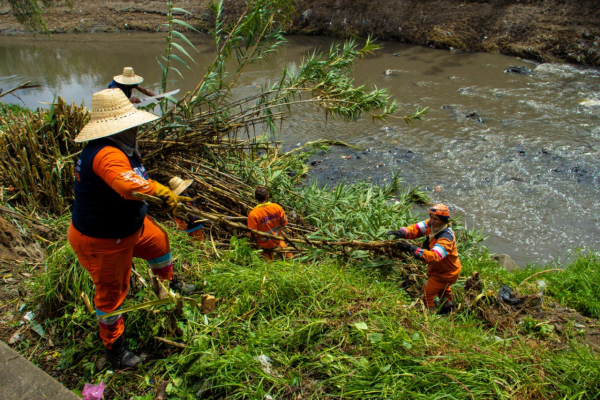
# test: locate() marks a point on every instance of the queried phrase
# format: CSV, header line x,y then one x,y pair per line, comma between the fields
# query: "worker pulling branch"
x,y
109,225
438,252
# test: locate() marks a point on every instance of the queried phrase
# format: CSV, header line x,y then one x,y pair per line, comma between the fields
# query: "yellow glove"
x,y
169,198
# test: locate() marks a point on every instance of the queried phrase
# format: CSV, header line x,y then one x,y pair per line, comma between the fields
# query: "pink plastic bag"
x,y
93,392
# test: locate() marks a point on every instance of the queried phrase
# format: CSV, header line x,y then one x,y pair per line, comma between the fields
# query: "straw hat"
x,y
128,77
178,185
112,112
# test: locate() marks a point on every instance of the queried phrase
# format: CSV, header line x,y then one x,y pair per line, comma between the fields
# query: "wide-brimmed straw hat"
x,y
112,112
128,77
178,185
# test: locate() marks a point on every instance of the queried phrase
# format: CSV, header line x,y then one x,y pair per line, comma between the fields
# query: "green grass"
x,y
15,109
332,327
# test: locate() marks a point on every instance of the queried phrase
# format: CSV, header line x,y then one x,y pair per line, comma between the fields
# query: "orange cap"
x,y
440,209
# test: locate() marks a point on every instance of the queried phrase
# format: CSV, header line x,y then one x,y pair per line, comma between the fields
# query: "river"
x,y
515,155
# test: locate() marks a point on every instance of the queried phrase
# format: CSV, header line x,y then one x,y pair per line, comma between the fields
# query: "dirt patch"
x,y
13,247
530,314
20,257
542,30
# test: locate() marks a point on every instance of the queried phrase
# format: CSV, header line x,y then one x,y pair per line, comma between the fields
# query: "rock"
x,y
559,328
518,70
208,303
504,261
100,364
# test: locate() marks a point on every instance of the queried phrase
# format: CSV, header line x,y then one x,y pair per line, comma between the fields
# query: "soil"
x,y
530,314
20,258
547,30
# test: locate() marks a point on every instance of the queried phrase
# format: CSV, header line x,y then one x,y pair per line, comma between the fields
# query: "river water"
x,y
524,166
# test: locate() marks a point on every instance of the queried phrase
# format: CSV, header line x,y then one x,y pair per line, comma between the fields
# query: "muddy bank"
x,y
548,30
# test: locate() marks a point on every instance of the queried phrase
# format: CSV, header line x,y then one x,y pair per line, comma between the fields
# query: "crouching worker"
x,y
269,218
186,222
109,226
438,252
128,81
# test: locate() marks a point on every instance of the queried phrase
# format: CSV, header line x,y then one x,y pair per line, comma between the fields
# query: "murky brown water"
x,y
525,169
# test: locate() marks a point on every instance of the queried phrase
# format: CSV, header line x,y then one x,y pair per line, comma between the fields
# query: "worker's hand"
x,y
170,199
397,234
405,246
135,100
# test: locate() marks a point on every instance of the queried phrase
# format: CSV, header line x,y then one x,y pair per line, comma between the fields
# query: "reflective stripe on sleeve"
x,y
422,227
440,251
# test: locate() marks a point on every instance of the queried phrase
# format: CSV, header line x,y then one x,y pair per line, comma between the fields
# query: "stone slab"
x,y
20,379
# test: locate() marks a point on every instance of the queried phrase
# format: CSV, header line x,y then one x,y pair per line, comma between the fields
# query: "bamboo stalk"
x,y
356,244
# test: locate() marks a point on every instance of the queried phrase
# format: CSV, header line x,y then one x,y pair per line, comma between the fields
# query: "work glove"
x,y
169,198
405,246
397,234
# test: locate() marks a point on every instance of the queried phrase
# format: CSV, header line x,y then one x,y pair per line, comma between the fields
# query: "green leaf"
x,y
375,337
407,345
181,49
177,382
183,23
361,326
181,10
386,368
176,70
178,59
182,37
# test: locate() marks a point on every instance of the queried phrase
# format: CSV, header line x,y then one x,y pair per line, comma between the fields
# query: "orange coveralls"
x,y
269,218
192,227
109,260
441,257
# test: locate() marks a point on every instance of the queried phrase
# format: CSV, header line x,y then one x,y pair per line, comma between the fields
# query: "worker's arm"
x,y
437,253
282,218
252,224
146,91
415,231
113,166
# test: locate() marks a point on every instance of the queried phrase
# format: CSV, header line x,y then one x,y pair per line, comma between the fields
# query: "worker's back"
x,y
269,218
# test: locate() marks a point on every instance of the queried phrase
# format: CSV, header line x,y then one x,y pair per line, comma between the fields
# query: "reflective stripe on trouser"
x,y
269,254
437,287
109,261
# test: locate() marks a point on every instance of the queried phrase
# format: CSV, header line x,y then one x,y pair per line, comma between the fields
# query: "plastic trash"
x,y
505,295
15,338
541,286
265,363
93,392
35,326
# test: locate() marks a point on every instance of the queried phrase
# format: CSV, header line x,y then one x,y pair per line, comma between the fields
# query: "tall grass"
x,y
329,328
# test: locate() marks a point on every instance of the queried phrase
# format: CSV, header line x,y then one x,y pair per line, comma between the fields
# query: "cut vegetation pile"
x,y
334,322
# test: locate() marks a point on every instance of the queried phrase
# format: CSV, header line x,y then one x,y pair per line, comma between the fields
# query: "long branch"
x,y
356,244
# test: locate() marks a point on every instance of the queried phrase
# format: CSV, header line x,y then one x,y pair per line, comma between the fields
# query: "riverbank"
x,y
545,31
332,322
319,326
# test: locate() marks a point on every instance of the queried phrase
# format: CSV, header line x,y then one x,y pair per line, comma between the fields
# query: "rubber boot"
x,y
447,308
120,357
178,286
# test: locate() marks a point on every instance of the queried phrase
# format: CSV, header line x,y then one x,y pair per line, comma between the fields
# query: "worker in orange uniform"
x,y
186,222
109,226
438,252
128,81
267,217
